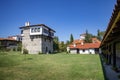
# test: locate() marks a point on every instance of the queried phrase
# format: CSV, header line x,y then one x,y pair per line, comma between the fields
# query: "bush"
x,y
25,51
2,49
40,52
7,49
19,48
14,49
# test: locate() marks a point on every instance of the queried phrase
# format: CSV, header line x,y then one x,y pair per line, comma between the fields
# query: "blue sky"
x,y
64,16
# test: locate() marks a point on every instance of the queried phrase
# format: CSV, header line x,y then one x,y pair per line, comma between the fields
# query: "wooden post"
x,y
114,54
107,52
110,54
109,58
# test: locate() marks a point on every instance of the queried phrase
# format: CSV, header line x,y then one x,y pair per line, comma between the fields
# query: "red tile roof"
x,y
78,41
11,39
85,46
95,40
78,44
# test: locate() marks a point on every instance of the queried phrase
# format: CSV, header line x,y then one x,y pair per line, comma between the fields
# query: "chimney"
x,y
82,43
27,24
74,45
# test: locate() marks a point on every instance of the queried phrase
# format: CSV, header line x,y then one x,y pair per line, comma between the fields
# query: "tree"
x,y
71,38
67,43
88,37
98,34
56,44
19,48
102,34
0,47
62,46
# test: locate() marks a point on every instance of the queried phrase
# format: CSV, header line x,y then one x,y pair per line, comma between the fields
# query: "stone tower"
x,y
37,38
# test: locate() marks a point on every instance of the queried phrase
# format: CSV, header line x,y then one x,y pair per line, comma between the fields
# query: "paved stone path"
x,y
110,74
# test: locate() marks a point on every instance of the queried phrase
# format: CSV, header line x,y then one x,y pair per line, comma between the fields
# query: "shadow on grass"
x,y
104,72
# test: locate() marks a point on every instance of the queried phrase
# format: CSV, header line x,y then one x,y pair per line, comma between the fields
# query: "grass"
x,y
16,66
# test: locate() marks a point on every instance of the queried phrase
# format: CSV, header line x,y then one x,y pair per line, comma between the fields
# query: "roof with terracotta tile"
x,y
77,41
10,39
85,46
95,40
80,44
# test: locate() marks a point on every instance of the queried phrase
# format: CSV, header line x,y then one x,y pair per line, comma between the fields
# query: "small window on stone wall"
x,y
31,37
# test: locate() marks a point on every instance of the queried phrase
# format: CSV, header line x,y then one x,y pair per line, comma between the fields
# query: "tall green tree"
x,y
71,38
88,37
102,34
98,34
62,46
56,44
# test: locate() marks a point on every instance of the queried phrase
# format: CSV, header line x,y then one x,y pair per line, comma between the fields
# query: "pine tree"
x,y
71,38
88,37
98,35
102,34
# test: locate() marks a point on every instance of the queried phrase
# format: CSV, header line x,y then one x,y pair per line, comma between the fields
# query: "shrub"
x,y
14,49
40,52
67,52
25,51
19,48
3,49
7,49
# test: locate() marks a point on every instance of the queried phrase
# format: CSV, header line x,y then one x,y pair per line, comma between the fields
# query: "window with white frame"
x,y
35,31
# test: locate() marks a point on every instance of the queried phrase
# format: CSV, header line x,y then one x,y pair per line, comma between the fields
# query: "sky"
x,y
64,16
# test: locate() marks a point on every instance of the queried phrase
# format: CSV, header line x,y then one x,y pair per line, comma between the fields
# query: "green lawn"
x,y
16,66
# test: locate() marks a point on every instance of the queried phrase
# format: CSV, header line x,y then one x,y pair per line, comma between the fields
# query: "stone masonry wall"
x,y
31,43
36,43
47,44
